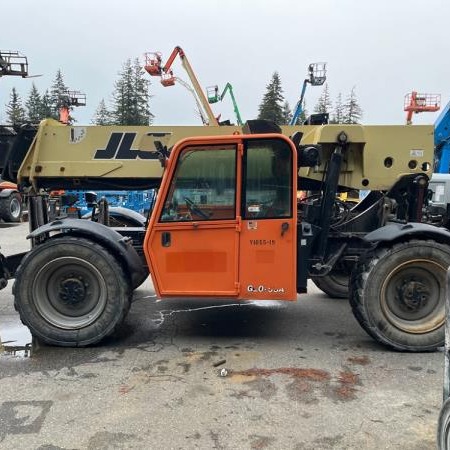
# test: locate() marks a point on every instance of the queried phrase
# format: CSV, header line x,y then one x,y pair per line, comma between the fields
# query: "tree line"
x,y
130,102
274,107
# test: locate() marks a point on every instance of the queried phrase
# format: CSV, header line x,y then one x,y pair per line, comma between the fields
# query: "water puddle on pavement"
x,y
15,340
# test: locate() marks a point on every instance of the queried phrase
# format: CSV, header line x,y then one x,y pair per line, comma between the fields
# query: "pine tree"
x,y
324,104
130,97
45,110
141,94
102,116
338,114
58,97
33,105
287,113
271,107
14,109
352,111
121,97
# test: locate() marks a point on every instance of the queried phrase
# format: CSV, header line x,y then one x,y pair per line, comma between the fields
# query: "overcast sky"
x,y
383,48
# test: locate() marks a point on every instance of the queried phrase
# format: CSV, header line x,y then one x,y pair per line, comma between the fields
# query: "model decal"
x,y
119,147
261,288
262,242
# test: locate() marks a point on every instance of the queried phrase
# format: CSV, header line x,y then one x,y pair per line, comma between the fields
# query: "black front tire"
x,y
71,292
397,294
11,208
443,428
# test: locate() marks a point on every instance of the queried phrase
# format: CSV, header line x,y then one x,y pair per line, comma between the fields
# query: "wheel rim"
x,y
411,297
69,293
15,208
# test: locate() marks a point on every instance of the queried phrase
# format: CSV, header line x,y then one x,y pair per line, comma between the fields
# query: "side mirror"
x,y
296,138
90,197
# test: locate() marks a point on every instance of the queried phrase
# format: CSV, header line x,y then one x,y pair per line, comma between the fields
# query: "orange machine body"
x,y
214,230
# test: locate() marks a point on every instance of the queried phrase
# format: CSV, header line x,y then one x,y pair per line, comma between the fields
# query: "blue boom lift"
x,y
442,141
317,76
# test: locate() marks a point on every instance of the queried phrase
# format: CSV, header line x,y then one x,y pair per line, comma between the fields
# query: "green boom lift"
x,y
213,97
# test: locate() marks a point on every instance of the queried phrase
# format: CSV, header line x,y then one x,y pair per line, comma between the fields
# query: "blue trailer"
x,y
139,201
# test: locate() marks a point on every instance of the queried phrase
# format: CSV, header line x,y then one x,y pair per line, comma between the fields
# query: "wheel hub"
x,y
413,294
72,291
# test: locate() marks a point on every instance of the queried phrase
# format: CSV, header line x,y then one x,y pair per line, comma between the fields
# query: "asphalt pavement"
x,y
199,374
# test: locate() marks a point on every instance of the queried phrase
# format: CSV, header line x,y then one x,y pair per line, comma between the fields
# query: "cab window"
x,y
267,181
203,186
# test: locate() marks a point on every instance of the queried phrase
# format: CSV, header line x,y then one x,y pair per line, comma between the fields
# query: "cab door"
x,y
192,243
268,238
224,223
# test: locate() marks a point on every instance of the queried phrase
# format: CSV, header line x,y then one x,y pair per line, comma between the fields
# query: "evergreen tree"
x,y
324,104
352,111
102,116
130,97
33,105
141,94
58,94
338,114
287,113
271,107
122,103
14,109
45,110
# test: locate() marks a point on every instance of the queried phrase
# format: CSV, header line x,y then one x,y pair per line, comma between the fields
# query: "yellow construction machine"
x,y
216,221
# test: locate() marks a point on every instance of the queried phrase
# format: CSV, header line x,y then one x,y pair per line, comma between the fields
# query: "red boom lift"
x,y
153,65
416,103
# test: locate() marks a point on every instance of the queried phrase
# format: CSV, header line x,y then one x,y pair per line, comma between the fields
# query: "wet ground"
x,y
215,375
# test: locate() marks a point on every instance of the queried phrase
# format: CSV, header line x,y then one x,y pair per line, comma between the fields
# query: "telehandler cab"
x,y
227,223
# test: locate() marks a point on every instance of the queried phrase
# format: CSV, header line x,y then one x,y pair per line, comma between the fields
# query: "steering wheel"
x,y
194,209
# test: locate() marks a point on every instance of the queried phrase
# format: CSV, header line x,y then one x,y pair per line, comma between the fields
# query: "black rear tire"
x,y
71,292
397,294
11,208
335,284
